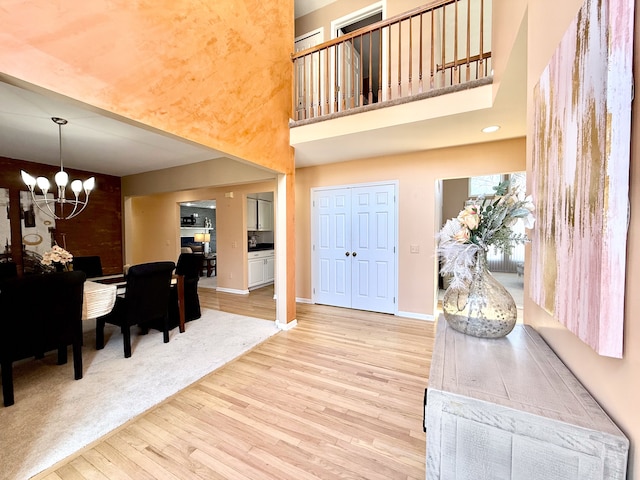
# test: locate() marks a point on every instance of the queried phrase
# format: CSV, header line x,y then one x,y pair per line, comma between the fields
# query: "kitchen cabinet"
x,y
260,267
259,215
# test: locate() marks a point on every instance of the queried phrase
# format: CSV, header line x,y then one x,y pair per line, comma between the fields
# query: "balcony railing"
x,y
438,45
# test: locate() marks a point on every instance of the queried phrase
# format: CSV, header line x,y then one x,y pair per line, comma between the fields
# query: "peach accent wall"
x,y
216,73
613,382
154,224
507,20
418,218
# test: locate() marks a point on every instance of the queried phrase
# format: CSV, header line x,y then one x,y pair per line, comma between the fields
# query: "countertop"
x,y
261,246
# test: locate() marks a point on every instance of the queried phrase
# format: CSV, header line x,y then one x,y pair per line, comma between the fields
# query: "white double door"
x,y
354,247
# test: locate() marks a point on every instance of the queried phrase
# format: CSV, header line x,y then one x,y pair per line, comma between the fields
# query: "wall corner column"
x,y
285,252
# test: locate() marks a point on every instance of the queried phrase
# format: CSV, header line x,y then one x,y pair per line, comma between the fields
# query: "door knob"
x,y
354,254
347,253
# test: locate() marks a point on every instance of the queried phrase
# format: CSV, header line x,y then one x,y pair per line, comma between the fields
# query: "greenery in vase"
x,y
483,224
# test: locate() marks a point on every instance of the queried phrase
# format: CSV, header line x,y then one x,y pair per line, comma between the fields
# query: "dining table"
x,y
118,283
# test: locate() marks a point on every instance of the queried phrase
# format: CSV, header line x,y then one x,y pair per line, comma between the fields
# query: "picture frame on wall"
x,y
580,181
37,231
5,226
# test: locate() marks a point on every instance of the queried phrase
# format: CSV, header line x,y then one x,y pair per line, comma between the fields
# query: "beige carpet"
x,y
208,282
54,415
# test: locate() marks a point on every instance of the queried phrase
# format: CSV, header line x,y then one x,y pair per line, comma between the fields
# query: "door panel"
x,y
360,222
374,236
334,239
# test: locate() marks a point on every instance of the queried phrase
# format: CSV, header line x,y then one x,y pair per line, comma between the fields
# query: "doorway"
x,y
357,61
508,269
353,251
198,233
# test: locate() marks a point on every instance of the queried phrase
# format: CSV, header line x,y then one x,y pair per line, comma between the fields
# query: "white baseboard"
x,y
303,300
287,326
416,316
232,290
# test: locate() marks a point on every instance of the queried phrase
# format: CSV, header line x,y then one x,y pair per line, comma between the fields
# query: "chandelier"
x,y
66,208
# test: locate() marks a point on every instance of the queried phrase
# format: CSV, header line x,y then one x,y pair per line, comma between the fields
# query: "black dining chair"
x,y
39,313
145,303
8,270
90,265
189,265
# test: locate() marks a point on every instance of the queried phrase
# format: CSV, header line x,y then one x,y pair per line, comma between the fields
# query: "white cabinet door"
x,y
252,214
256,271
265,215
269,269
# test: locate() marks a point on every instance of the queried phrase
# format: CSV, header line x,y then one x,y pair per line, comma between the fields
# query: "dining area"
x,y
51,310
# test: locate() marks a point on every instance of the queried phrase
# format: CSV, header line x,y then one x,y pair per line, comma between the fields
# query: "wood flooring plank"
x,y
337,397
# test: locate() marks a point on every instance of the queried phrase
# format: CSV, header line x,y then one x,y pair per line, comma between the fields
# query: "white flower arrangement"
x,y
483,224
57,255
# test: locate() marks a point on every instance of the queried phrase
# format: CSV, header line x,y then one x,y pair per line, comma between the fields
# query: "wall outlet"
x,y
234,244
414,248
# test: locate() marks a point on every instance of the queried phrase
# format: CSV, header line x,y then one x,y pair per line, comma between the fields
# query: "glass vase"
x,y
483,307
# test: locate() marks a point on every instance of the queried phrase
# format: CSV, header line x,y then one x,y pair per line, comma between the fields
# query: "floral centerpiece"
x,y
57,257
476,303
483,224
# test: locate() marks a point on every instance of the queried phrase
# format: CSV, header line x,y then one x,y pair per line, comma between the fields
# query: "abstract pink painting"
x,y
580,181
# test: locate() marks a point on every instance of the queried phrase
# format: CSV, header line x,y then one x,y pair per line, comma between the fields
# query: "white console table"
x,y
510,409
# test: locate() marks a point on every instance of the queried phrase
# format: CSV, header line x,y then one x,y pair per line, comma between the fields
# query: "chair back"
x,y
39,313
91,265
148,290
8,270
189,265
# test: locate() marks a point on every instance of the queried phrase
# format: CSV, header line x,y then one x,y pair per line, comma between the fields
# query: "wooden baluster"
x,y
304,86
444,42
420,55
410,55
344,76
389,64
311,96
432,79
481,63
327,79
352,93
400,59
360,83
379,65
294,93
319,83
456,74
469,41
370,96
336,86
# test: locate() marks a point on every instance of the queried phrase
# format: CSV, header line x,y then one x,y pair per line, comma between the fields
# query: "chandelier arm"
x,y
84,204
75,207
47,202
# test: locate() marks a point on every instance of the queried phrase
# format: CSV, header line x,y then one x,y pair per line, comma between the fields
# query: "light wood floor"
x,y
338,396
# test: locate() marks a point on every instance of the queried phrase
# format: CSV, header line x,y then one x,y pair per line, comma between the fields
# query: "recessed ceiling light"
x,y
491,129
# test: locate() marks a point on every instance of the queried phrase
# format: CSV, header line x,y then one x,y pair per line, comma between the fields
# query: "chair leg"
x,y
7,383
99,334
62,355
165,331
77,359
126,338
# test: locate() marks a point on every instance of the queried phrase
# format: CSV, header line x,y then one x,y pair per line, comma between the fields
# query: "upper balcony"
x,y
375,90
